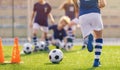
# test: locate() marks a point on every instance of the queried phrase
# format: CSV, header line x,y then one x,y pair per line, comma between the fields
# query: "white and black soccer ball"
x,y
68,46
56,56
42,46
27,48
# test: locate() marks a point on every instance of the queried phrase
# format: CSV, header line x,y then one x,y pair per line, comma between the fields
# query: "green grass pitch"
x,y
73,60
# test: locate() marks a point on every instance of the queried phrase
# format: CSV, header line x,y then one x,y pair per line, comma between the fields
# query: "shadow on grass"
x,y
45,52
52,63
93,68
35,53
69,51
5,64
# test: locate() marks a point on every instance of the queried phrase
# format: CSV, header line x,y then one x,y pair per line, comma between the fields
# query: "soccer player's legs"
x,y
77,21
35,31
45,32
56,43
70,40
99,39
70,43
44,29
86,31
98,47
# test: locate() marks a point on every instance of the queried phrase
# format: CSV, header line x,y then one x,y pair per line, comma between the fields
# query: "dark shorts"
x,y
70,40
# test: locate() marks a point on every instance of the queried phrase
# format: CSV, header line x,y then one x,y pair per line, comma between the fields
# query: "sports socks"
x,y
98,49
35,40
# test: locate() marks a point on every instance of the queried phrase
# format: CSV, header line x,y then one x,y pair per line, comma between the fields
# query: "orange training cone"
x,y
15,52
1,52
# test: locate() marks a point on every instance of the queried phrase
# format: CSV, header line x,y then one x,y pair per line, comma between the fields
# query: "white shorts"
x,y
90,22
75,20
42,28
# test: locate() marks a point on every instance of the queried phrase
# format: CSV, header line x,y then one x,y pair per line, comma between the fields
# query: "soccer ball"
x,y
56,56
42,46
68,46
27,48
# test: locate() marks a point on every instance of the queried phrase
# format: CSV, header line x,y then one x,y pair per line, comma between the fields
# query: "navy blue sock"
x,y
35,40
98,48
47,41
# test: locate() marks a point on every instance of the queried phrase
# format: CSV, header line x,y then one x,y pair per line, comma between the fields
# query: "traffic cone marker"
x,y
15,53
1,52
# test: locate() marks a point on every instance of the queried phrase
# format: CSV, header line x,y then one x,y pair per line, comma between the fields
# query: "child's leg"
x,y
57,43
98,50
70,43
44,37
35,31
83,45
35,39
98,47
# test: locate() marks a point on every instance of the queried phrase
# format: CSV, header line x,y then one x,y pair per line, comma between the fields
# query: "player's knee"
x,y
35,31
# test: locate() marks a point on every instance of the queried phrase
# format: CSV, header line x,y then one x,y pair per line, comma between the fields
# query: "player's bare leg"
x,y
44,36
35,40
98,47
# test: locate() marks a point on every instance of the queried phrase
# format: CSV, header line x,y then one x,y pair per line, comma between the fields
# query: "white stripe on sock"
x,y
98,50
97,56
99,44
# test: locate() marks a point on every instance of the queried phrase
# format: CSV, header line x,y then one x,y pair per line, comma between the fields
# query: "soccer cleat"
x,y
36,49
83,47
47,49
57,46
96,63
47,43
89,42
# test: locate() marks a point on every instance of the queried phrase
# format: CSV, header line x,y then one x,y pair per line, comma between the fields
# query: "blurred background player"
x,y
69,8
76,20
90,19
41,12
70,30
59,33
72,12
